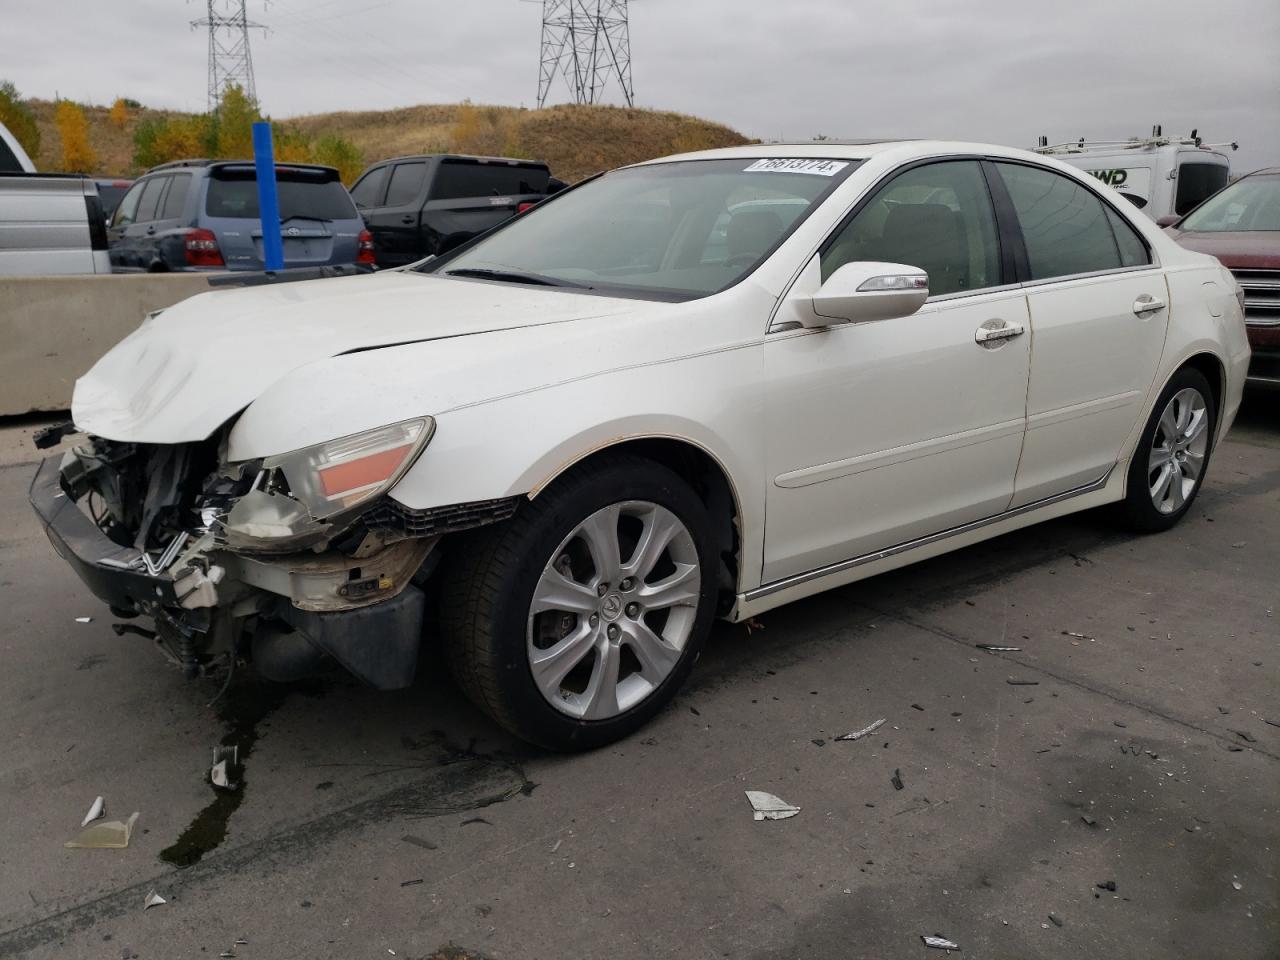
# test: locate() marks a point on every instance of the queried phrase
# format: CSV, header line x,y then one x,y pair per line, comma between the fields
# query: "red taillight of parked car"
x,y
364,247
201,247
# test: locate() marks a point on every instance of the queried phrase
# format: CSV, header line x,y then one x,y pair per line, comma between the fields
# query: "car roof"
x,y
1264,172
504,161
859,150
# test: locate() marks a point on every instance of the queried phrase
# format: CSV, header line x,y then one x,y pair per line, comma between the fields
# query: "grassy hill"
x,y
574,140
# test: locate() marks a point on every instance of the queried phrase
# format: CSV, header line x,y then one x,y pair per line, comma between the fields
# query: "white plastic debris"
x,y
153,900
96,810
218,776
939,943
859,734
84,619
769,807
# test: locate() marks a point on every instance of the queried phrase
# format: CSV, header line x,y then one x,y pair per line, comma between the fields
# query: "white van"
x,y
1164,177
51,223
13,159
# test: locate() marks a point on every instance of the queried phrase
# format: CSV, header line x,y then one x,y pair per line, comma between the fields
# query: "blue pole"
x,y
268,202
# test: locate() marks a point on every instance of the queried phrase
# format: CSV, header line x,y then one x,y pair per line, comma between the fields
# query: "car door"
x,y
167,230
394,224
881,433
139,248
1098,318
122,259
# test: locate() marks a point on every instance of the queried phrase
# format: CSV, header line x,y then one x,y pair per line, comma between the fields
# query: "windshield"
x,y
682,229
1249,204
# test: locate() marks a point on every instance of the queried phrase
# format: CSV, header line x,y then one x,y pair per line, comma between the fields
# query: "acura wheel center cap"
x,y
611,607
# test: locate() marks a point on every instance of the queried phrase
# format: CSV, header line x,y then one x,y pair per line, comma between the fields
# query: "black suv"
x,y
423,205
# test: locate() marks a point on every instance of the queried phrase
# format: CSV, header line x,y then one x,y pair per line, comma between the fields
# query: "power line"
x,y
230,63
589,43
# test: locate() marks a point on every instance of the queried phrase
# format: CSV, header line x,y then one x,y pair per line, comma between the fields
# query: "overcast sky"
x,y
996,70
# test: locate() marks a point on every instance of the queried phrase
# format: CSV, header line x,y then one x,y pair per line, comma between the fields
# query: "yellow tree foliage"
x,y
21,122
235,117
179,139
119,115
77,155
336,152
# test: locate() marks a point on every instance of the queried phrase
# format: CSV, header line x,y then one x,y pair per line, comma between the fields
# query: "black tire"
x,y
489,584
1138,510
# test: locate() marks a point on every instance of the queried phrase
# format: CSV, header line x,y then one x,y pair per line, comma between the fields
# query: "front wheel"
x,y
1169,463
576,621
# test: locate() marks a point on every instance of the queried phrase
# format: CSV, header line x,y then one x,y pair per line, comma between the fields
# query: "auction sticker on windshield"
x,y
822,168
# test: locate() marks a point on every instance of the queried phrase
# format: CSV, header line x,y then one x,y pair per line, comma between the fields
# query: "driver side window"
x,y
937,217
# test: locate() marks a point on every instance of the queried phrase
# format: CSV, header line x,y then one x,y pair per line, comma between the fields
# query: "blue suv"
x,y
203,215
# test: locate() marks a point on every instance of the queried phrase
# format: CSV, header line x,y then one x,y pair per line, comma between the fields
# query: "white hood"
x,y
184,373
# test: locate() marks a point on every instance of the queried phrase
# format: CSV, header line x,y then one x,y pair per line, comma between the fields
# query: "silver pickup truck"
x,y
51,223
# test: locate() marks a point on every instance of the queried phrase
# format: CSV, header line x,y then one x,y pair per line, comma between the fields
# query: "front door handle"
x,y
1147,306
992,333
406,219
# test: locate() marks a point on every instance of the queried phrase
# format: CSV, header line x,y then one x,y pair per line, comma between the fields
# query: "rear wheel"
x,y
1169,463
575,622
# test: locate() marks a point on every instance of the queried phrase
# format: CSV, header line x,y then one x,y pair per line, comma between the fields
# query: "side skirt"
x,y
1107,489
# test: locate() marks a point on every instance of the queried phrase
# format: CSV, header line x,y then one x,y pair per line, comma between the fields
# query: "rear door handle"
x,y
406,219
992,333
1147,306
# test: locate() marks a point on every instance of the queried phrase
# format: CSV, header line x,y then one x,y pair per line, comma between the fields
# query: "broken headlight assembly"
x,y
302,498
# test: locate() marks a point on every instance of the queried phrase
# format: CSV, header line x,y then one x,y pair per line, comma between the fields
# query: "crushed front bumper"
x,y
106,568
374,635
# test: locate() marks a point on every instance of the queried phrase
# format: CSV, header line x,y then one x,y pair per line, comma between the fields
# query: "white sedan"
x,y
697,387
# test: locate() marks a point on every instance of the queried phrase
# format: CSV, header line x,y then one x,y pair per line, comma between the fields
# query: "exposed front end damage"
x,y
288,561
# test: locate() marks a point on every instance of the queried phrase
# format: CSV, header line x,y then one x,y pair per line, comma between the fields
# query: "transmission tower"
x,y
229,61
589,42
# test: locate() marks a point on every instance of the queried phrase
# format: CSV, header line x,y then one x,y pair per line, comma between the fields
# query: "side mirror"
x,y
1167,221
866,291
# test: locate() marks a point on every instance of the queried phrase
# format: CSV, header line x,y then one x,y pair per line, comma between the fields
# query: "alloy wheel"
x,y
613,610
1178,450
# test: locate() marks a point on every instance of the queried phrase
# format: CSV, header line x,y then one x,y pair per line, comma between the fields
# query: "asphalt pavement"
x,y
1131,742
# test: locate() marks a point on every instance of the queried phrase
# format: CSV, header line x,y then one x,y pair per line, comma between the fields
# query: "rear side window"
x,y
175,201
1064,225
1133,251
937,217
368,189
8,159
149,202
1197,182
406,183
461,178
234,194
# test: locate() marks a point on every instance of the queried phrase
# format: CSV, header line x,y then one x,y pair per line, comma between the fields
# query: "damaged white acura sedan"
x,y
697,387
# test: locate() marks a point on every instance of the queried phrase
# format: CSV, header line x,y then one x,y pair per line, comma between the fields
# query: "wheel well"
x,y
1210,367
708,479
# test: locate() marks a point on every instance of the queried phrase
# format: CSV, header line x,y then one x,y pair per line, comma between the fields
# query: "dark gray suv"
x,y
203,215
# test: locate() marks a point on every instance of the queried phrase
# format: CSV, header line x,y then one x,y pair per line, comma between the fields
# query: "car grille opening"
x,y
1261,296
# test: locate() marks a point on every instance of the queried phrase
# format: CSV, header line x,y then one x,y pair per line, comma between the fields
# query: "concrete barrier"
x,y
53,329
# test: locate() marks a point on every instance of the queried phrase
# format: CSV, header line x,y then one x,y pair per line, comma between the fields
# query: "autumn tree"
x,y
234,120
336,152
19,119
161,140
119,115
73,128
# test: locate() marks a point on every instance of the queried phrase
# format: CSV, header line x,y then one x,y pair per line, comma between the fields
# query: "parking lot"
x,y
1126,741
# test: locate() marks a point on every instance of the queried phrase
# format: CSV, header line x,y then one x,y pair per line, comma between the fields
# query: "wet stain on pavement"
x,y
244,706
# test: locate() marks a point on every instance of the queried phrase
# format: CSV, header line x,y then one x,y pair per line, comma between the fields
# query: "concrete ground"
x,y
405,824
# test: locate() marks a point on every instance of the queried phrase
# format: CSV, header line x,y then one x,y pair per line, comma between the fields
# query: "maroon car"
x,y
1240,225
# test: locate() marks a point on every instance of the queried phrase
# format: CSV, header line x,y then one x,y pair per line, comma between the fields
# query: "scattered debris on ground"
x,y
1022,683
96,810
410,883
153,900
769,807
113,835
1090,821
419,842
940,943
1079,636
897,780
997,648
1107,885
859,734
84,619
1055,919
1245,736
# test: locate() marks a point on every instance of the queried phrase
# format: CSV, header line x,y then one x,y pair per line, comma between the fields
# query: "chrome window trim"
x,y
795,580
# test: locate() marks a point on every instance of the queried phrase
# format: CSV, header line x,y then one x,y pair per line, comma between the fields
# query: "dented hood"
x,y
186,371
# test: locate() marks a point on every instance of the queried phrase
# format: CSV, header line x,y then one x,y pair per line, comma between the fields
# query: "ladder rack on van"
x,y
1157,139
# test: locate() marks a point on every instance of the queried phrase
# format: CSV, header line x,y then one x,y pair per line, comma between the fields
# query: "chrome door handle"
x,y
1147,306
993,332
